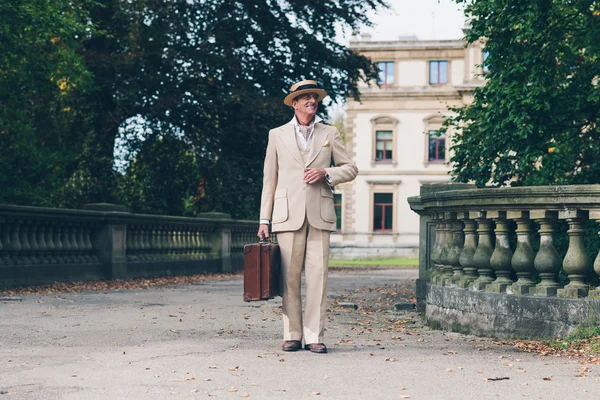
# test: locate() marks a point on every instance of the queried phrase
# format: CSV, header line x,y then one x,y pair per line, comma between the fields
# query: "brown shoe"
x,y
291,345
316,347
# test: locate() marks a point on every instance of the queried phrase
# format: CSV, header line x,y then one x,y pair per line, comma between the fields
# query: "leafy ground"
x,y
583,345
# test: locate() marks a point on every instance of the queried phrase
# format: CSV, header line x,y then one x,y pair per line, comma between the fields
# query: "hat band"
x,y
307,86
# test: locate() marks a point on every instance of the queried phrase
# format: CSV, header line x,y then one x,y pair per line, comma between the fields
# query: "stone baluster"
x,y
154,242
58,245
66,244
576,263
187,243
500,261
49,238
33,243
14,245
25,247
468,251
145,239
595,215
484,251
179,243
75,250
456,246
547,261
137,242
196,243
81,247
87,230
436,248
522,259
171,238
164,240
44,255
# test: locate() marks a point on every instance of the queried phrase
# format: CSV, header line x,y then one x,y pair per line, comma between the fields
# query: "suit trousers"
x,y
308,246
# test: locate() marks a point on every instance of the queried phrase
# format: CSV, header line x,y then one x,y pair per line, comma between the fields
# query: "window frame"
x,y
438,83
383,206
385,74
379,187
384,123
434,123
429,139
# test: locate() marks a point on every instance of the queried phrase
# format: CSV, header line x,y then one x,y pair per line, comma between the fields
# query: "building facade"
x,y
393,135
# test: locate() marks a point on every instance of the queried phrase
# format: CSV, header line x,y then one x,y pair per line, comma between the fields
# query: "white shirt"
x,y
299,136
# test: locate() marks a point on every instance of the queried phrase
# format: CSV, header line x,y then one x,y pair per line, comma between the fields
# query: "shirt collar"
x,y
314,121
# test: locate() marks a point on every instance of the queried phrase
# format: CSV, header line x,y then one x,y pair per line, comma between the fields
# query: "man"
x,y
297,201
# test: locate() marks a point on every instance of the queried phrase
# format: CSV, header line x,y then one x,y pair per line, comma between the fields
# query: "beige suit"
x,y
303,215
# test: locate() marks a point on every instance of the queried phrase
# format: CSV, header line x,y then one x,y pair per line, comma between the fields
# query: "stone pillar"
x,y
468,251
456,246
220,241
547,261
109,242
484,251
576,263
446,275
502,255
437,247
522,259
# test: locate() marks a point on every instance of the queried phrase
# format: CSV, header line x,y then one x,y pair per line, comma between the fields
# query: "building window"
x,y
484,67
386,73
438,72
383,212
437,146
383,146
337,203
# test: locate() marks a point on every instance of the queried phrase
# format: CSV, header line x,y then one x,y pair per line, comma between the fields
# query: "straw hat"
x,y
302,87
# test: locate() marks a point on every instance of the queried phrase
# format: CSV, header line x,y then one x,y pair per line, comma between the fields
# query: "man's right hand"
x,y
263,231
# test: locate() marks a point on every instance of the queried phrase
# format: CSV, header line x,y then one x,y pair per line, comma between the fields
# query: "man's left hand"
x,y
313,175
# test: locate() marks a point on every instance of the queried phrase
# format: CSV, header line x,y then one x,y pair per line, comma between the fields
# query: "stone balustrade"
x,y
43,245
480,247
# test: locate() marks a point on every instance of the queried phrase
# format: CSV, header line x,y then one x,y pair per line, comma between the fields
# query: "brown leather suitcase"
x,y
262,278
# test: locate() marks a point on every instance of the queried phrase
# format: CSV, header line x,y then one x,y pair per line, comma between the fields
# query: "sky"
x,y
427,19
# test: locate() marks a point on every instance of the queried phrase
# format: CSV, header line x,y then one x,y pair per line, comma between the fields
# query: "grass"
x,y
586,337
377,262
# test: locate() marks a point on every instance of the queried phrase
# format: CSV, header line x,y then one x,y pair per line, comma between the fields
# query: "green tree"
x,y
535,122
214,73
42,78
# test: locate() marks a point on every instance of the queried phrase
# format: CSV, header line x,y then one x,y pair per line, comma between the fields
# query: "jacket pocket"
x,y
327,208
280,206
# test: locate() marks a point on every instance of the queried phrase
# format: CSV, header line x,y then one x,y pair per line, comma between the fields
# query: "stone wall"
x,y
488,263
43,245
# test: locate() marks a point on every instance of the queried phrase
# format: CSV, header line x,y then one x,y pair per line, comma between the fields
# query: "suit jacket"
x,y
286,199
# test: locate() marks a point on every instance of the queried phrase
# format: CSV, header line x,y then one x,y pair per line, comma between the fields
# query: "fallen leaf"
x,y
404,396
233,368
232,389
316,393
212,367
245,395
548,378
448,369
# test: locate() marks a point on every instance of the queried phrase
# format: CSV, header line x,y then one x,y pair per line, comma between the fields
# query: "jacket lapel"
x,y
288,137
319,137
